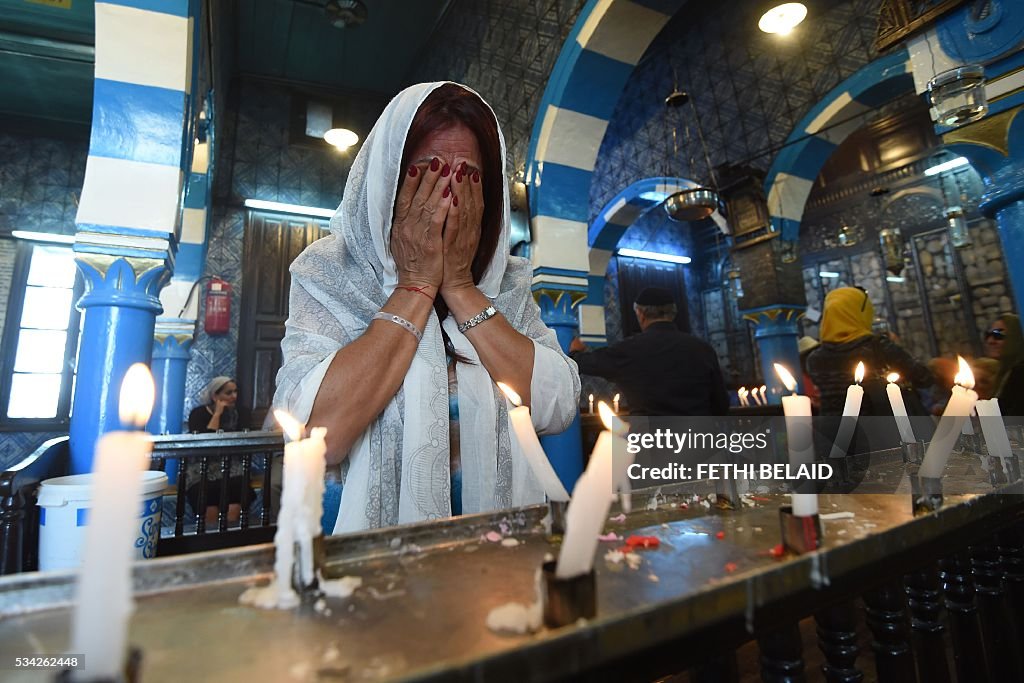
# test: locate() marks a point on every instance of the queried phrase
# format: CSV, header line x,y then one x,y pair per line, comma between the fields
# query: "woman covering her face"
x,y
402,320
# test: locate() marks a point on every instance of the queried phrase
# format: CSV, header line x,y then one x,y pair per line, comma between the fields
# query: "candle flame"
x,y
964,377
137,394
591,398
291,426
893,377
742,391
615,397
512,395
606,414
764,389
858,374
786,377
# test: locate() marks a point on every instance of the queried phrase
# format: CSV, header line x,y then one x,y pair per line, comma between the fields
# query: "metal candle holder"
x,y
311,591
566,601
926,494
556,513
913,452
130,673
727,495
799,534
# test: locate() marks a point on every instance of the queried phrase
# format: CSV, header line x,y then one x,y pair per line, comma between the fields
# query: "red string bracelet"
x,y
418,290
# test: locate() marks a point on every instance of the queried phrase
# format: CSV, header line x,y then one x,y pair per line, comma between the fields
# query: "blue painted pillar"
x,y
1004,201
120,307
776,332
565,450
171,353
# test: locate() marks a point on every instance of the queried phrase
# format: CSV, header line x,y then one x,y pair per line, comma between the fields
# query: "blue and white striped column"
x,y
595,63
128,215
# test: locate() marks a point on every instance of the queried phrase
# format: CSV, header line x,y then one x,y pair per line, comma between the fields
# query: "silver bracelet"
x,y
483,315
400,321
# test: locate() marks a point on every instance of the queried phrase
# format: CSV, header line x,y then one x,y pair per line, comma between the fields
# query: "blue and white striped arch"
x,y
604,234
141,141
595,63
825,126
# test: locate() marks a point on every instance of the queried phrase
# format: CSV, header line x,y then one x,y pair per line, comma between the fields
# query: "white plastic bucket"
x,y
64,505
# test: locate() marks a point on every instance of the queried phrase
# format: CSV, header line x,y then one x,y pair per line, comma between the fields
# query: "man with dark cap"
x,y
662,370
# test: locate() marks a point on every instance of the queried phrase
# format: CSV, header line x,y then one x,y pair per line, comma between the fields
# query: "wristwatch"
x,y
483,315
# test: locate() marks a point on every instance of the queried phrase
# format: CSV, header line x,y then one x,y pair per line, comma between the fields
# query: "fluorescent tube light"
x,y
42,237
828,274
946,166
289,208
895,278
654,256
653,196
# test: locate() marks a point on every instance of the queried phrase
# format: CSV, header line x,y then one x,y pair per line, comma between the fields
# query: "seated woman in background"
x,y
1004,341
413,303
218,411
847,339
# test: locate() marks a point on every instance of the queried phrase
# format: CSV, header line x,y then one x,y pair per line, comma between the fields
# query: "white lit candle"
x,y
754,395
615,404
799,438
764,394
960,405
851,411
899,410
993,427
104,590
741,394
305,465
590,502
590,401
522,425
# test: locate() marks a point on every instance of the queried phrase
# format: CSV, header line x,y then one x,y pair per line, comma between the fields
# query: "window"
x,y
40,338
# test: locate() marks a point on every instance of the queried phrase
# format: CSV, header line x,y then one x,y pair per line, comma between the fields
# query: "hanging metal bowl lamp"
x,y
695,203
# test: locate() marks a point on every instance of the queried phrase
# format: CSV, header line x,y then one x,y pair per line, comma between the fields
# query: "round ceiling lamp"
x,y
782,18
342,138
346,13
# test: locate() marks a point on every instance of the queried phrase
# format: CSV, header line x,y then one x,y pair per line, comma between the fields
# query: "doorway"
x,y
272,241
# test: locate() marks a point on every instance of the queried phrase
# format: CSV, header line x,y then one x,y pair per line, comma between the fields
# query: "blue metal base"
x,y
777,335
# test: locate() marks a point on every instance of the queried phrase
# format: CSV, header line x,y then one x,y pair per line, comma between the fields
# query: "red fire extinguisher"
x,y
218,307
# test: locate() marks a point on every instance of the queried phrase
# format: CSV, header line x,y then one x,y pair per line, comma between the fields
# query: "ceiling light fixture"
x,y
783,18
346,13
946,166
342,138
288,208
654,256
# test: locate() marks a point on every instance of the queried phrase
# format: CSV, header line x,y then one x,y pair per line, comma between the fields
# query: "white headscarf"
x,y
211,388
398,470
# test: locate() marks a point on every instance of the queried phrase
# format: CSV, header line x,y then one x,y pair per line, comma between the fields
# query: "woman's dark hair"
x,y
445,107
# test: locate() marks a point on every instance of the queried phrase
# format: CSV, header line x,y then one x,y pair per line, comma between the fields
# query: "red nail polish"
x,y
458,177
434,163
476,176
447,191
446,171
455,201
413,171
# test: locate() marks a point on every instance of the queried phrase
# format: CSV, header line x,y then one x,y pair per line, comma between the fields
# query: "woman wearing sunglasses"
x,y
1005,343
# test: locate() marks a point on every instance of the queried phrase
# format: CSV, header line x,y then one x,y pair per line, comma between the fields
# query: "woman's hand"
x,y
219,405
421,208
462,231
